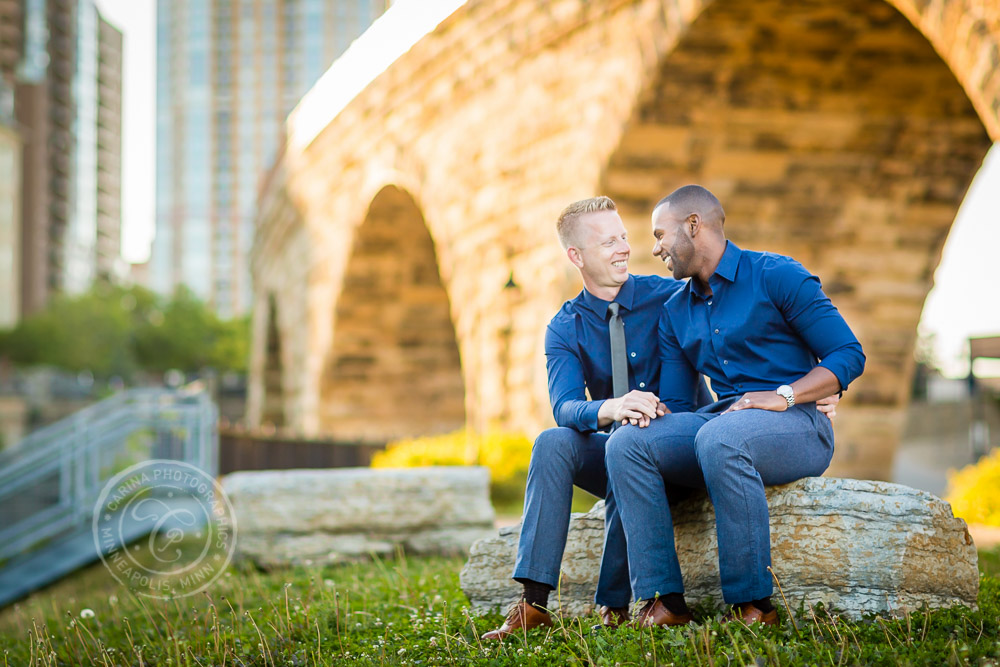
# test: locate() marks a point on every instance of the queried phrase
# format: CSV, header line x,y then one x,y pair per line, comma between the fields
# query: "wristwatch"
x,y
786,392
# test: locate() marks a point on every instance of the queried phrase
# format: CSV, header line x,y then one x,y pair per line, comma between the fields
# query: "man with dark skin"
x,y
761,328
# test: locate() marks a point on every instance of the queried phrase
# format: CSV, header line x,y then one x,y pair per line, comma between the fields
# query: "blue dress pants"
x,y
734,456
561,458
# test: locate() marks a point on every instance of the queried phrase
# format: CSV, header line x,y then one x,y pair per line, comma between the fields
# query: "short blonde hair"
x,y
566,225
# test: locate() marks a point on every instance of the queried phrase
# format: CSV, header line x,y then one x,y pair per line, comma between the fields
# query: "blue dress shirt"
x,y
578,349
766,323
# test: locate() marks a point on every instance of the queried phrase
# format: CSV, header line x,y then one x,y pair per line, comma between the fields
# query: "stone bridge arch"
x,y
508,110
831,132
393,369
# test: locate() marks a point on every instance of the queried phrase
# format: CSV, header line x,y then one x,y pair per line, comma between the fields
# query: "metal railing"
x,y
51,480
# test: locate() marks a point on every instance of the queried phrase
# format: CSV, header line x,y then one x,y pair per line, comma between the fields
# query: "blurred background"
x,y
334,218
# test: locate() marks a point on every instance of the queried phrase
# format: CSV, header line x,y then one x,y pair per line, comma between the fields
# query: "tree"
x,y
86,332
117,331
188,336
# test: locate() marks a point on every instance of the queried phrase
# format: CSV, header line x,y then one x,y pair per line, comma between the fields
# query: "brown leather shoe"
x,y
612,617
654,612
521,618
747,613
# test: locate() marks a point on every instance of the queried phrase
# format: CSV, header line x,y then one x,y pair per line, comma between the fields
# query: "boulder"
x,y
324,516
857,546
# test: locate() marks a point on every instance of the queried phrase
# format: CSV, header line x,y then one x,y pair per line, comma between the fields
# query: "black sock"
x,y
535,593
675,604
764,604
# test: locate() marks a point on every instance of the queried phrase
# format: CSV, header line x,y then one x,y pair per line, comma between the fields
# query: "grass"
x,y
410,611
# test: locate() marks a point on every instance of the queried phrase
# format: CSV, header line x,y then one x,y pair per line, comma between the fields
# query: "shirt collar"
x,y
725,269
624,298
729,262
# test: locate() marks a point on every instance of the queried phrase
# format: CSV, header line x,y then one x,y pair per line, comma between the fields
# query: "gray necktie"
x,y
619,362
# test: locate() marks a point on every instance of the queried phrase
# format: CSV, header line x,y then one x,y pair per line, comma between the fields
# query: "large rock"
x,y
292,516
857,546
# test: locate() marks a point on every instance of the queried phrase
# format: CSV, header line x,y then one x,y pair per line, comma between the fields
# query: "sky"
x,y
963,302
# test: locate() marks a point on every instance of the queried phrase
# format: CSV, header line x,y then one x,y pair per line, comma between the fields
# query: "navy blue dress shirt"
x,y
578,349
766,323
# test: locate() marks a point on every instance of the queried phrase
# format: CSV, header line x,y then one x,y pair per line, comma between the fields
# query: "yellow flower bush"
x,y
505,454
974,491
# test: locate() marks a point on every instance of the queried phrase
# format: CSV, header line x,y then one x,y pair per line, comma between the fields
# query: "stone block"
x,y
858,547
290,516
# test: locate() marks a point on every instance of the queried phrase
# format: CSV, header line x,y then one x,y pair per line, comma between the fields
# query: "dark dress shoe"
x,y
612,617
521,618
654,612
747,613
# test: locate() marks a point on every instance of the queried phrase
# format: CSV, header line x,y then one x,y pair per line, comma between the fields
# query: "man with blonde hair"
x,y
603,342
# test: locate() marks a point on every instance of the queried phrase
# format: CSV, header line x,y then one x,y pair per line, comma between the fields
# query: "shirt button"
x,y
633,354
725,362
710,303
641,385
716,331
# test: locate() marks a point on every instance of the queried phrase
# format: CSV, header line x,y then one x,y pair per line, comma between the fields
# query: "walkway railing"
x,y
51,480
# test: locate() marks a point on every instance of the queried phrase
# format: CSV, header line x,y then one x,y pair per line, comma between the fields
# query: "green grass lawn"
x,y
410,611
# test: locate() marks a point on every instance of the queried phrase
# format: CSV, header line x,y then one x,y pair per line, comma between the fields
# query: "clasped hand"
x,y
638,408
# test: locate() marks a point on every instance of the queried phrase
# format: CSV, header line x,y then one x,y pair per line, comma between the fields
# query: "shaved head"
x,y
687,226
694,199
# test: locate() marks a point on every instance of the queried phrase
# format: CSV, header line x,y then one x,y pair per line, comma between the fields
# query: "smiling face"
x,y
602,252
674,244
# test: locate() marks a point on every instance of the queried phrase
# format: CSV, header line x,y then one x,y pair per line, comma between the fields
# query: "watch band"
x,y
787,393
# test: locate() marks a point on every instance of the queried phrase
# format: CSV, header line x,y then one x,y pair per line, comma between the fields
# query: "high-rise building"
x,y
10,224
10,166
110,266
228,73
67,109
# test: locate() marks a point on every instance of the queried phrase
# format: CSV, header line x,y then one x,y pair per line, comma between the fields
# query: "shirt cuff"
x,y
839,371
588,416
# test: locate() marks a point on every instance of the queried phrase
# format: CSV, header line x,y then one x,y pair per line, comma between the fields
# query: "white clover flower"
x,y
401,651
86,613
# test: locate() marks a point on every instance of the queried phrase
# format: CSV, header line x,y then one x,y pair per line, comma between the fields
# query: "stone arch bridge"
x,y
406,263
